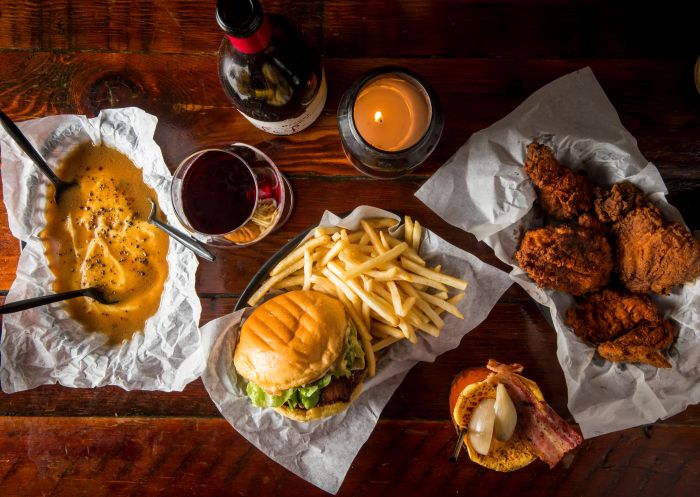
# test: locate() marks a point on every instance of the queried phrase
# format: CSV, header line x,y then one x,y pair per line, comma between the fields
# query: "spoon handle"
x,y
189,242
28,148
22,305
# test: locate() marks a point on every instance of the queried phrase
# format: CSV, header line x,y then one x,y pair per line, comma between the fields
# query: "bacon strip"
x,y
547,434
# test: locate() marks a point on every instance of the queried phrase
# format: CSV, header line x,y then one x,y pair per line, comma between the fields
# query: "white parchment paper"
x,y
43,345
483,189
321,451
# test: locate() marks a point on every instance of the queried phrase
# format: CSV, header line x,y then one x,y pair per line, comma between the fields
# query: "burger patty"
x,y
340,389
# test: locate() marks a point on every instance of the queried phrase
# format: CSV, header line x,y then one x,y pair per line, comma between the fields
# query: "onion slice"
x,y
506,416
481,426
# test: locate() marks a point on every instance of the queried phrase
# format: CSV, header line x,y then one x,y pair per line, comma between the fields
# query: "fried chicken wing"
x,y
652,255
625,327
563,192
572,259
643,344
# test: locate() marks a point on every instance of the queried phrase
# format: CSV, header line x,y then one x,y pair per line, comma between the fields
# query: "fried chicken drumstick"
x,y
563,192
652,255
572,259
624,327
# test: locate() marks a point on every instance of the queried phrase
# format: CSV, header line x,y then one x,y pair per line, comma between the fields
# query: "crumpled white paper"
x,y
483,189
321,451
43,345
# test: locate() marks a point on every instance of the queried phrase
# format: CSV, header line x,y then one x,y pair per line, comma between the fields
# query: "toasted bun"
x,y
320,411
503,456
291,340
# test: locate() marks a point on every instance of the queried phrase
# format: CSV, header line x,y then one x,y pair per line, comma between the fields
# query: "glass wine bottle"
x,y
271,72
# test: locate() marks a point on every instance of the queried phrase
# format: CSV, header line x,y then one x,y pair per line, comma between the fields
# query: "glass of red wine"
x,y
231,197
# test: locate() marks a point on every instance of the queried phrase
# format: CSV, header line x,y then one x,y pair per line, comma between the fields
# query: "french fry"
x,y
265,287
408,230
383,343
367,284
408,304
456,298
417,234
308,263
289,282
409,253
425,282
375,261
408,331
298,253
373,237
382,238
433,275
442,304
333,252
387,330
395,298
378,305
321,231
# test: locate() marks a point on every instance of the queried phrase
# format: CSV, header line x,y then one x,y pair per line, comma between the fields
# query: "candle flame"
x,y
378,117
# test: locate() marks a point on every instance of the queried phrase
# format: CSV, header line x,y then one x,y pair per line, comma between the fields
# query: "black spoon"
x,y
189,242
21,140
21,305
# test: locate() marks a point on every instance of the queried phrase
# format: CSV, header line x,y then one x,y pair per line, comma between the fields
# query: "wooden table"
x,y
483,58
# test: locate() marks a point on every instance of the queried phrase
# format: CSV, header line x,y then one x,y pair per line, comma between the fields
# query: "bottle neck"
x,y
256,42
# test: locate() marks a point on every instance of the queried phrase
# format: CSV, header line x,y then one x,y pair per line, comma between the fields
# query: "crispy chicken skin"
x,y
625,327
564,193
652,255
572,259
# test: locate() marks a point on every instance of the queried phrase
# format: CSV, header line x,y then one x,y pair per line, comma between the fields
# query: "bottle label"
x,y
257,42
296,124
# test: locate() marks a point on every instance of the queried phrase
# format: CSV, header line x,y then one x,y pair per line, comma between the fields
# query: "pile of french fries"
x,y
387,288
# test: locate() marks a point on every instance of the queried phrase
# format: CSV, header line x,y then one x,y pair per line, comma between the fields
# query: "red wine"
x,y
218,193
271,72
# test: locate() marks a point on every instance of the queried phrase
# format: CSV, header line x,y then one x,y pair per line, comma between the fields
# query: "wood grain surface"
x,y
483,57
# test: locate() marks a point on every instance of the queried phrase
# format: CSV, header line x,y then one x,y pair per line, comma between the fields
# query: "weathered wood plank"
x,y
183,91
415,28
186,26
185,456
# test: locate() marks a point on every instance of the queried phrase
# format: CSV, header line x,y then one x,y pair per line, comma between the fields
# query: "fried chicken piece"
x,y
614,204
608,314
652,255
625,327
572,259
642,344
563,192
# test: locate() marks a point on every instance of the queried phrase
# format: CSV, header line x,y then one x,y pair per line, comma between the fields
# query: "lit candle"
x,y
390,120
391,113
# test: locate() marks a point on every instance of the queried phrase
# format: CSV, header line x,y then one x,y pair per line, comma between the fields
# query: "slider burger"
x,y
300,354
507,422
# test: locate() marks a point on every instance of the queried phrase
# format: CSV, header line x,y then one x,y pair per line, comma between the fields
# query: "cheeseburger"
x,y
299,353
505,419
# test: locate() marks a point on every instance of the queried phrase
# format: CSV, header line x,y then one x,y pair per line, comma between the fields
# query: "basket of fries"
x,y
387,288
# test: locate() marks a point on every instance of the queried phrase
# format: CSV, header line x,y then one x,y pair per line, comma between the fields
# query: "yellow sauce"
x,y
98,235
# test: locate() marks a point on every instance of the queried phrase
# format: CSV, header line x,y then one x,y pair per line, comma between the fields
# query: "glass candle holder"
x,y
390,121
231,197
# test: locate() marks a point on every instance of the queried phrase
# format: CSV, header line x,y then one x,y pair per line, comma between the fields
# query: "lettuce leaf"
x,y
352,358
